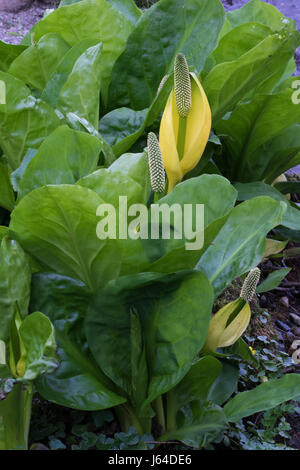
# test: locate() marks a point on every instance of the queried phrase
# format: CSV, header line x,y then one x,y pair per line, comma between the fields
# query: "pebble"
x,y
296,331
295,319
290,336
285,301
283,326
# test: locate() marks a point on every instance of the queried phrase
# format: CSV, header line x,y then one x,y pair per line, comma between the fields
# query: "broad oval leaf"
x,y
174,313
240,245
57,226
168,27
267,395
64,157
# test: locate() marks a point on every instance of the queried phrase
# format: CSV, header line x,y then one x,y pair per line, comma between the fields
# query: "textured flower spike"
x,y
185,124
182,86
156,166
250,283
163,81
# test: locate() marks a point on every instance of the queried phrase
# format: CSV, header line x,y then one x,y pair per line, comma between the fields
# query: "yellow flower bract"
x,y
198,128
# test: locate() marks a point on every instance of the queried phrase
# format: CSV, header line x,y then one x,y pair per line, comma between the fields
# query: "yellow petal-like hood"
x,y
198,127
219,335
167,141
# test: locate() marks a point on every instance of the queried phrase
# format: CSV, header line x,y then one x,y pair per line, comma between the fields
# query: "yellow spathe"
x,y
198,128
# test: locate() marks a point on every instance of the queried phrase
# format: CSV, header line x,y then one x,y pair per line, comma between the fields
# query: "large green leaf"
x,y
127,7
173,311
229,82
3,231
260,12
15,277
63,158
7,197
168,27
90,19
240,245
81,92
37,336
64,69
291,217
121,123
197,383
37,63
24,120
273,280
129,173
218,198
226,383
198,424
151,114
261,138
77,382
57,225
265,396
8,53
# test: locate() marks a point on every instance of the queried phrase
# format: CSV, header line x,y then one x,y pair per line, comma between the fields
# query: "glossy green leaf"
x,y
7,197
8,53
57,226
261,12
64,69
15,277
291,217
37,63
90,19
267,395
37,335
121,123
199,424
179,258
288,187
240,245
261,138
17,175
81,92
168,27
171,255
15,411
77,382
75,156
3,232
153,112
225,384
197,383
24,120
273,280
229,82
171,339
128,8
129,173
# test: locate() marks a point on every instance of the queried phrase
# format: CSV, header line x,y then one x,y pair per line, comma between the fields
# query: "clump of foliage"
x,y
132,316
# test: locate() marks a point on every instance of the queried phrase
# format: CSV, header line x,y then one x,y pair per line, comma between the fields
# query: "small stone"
x,y
283,326
290,336
296,331
285,301
295,319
